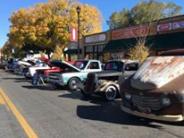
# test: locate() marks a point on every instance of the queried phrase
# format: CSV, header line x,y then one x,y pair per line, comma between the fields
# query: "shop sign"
x,y
164,27
178,25
95,38
131,32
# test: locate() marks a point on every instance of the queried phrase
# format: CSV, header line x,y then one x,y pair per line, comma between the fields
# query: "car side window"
x,y
131,67
93,65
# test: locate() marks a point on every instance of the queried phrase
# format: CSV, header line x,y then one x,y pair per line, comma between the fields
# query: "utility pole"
x,y
78,9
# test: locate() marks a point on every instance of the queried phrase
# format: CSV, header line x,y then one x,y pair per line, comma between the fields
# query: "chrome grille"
x,y
147,102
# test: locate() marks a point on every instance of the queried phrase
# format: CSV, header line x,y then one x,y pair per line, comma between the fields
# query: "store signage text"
x,y
95,38
170,26
131,32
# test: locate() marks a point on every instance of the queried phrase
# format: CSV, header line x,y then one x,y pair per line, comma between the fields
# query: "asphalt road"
x,y
62,114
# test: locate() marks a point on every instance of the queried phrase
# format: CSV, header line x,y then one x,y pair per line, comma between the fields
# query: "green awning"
x,y
72,51
169,41
119,45
158,42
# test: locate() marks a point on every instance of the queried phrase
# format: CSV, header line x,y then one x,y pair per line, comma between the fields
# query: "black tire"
x,y
111,93
56,86
85,94
74,84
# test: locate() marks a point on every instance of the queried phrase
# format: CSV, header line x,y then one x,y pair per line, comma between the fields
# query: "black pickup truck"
x,y
105,83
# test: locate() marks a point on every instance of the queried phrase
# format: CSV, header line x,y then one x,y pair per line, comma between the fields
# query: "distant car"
x,y
105,83
74,75
3,64
21,66
11,64
156,90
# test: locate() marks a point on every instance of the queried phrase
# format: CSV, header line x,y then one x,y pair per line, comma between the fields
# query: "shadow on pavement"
x,y
96,99
110,112
71,94
41,87
16,79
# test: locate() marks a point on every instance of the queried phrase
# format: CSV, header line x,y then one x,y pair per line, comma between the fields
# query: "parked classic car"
x,y
41,74
56,67
3,64
11,64
22,65
156,90
106,82
40,65
74,75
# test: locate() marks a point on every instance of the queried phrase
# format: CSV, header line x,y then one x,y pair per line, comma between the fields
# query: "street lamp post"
x,y
78,34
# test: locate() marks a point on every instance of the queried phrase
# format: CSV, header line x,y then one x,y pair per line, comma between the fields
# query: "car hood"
x,y
156,72
70,66
23,63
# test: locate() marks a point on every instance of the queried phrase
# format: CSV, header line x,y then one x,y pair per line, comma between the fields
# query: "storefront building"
x,y
94,45
160,35
71,52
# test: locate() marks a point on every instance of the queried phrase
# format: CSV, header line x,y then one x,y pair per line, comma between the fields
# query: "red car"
x,y
56,66
52,70
42,74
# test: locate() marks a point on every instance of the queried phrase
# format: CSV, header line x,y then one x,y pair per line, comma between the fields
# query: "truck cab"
x,y
74,75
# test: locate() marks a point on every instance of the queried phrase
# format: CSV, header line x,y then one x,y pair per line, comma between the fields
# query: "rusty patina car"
x,y
105,83
156,90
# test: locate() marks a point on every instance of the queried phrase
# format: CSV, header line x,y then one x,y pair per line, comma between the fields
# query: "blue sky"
x,y
7,7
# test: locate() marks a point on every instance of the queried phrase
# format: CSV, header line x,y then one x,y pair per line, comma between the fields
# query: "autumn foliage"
x,y
47,25
140,51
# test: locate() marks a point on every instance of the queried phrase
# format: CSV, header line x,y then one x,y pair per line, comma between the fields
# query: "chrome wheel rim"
x,y
111,93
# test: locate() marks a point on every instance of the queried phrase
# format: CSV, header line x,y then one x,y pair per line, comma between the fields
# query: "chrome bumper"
x,y
169,118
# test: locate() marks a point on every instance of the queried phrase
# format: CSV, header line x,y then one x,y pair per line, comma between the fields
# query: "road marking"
x,y
2,100
27,128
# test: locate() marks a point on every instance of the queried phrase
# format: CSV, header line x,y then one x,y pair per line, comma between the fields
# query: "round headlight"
x,y
166,101
128,96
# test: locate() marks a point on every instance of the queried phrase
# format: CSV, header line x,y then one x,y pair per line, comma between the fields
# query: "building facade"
x,y
161,35
94,45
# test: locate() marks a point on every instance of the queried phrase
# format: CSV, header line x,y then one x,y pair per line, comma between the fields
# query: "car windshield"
x,y
114,65
80,64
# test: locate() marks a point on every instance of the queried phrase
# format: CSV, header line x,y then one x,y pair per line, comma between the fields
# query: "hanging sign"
x,y
73,35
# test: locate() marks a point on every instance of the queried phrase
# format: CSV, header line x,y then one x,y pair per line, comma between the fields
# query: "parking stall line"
x,y
20,118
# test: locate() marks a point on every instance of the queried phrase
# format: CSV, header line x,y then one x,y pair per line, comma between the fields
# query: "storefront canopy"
x,y
72,51
119,45
158,42
169,41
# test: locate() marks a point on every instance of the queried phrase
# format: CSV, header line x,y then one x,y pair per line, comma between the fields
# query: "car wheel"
x,y
74,84
111,93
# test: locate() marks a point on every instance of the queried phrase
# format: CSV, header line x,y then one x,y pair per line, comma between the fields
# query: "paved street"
x,y
63,114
